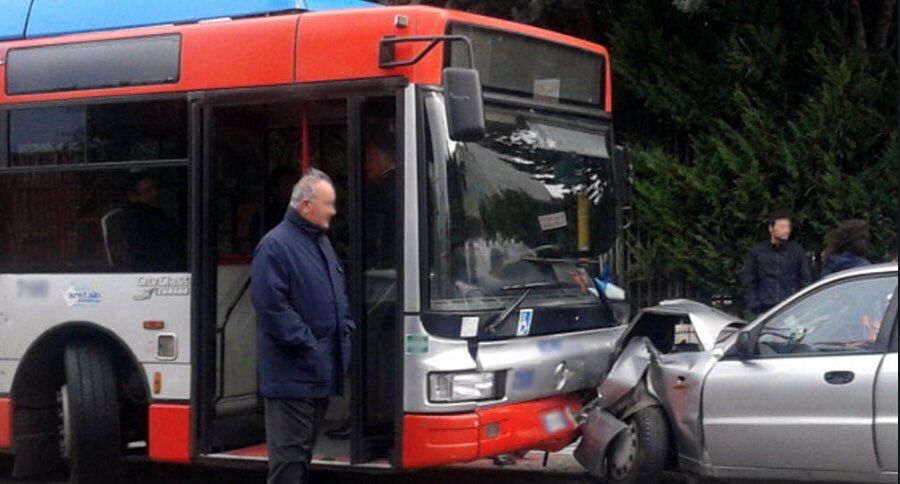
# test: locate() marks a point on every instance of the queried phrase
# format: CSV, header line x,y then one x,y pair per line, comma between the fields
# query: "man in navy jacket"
x,y
300,297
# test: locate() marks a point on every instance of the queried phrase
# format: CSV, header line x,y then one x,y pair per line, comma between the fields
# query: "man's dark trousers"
x,y
291,430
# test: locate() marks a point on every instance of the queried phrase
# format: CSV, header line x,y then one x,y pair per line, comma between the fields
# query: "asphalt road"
x,y
144,473
485,472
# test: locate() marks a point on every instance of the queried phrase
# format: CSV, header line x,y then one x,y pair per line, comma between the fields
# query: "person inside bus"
x,y
381,196
304,326
150,238
380,214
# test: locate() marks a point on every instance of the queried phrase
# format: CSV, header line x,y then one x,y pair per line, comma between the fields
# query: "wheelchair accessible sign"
x,y
526,316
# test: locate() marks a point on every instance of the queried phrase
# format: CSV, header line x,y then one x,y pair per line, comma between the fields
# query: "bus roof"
x,y
41,18
339,44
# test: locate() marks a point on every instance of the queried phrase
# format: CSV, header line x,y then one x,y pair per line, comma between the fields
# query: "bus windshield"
x,y
522,210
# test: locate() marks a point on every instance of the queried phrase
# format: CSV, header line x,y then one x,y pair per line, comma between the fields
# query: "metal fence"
x,y
650,285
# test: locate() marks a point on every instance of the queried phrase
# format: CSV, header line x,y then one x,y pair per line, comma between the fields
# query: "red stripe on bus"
x,y
434,440
513,428
284,49
244,53
5,423
169,433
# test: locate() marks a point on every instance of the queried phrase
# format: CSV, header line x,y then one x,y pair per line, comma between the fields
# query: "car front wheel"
x,y
639,453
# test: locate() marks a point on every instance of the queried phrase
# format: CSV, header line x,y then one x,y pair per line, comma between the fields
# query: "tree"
x,y
778,106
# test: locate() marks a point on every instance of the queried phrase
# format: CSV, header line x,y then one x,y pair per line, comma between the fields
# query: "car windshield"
x,y
526,209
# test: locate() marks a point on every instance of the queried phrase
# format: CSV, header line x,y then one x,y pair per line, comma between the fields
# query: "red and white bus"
x,y
143,156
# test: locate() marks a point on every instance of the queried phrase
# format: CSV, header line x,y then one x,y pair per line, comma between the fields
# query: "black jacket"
x,y
772,273
300,296
151,239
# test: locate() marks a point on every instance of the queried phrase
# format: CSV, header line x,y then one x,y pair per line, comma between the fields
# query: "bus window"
x,y
98,133
59,217
517,208
94,221
137,131
51,136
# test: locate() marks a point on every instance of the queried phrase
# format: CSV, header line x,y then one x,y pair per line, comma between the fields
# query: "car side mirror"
x,y
622,175
465,104
744,346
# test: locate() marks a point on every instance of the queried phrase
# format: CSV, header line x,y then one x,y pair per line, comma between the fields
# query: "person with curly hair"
x,y
846,247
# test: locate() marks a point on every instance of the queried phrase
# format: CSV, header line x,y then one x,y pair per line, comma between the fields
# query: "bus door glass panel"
x,y
376,347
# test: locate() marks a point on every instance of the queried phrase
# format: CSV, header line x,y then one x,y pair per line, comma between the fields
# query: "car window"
x,y
845,317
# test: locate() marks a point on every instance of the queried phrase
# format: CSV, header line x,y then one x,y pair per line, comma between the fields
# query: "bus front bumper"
x,y
433,440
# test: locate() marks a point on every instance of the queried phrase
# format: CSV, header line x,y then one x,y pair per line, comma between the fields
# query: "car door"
x,y
886,402
804,399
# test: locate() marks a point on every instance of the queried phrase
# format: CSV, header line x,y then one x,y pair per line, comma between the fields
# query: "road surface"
x,y
562,470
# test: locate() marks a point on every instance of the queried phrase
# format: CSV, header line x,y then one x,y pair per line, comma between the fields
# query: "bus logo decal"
x,y
163,286
80,296
525,318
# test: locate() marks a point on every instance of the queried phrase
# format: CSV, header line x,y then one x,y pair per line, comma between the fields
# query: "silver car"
x,y
808,391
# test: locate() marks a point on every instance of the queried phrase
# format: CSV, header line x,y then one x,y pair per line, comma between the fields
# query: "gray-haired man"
x,y
300,296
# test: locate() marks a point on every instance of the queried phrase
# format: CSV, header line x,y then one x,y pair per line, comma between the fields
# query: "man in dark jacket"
x,y
300,296
150,237
775,268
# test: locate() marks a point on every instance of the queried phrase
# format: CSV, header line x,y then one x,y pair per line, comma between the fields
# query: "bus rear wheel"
x,y
91,434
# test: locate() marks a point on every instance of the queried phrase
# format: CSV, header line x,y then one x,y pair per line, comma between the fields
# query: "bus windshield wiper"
x,y
528,287
552,260
539,285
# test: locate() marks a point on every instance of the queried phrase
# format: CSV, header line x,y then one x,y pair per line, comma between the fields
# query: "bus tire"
x,y
91,413
639,454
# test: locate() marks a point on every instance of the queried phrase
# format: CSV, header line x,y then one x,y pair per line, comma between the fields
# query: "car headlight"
x,y
464,387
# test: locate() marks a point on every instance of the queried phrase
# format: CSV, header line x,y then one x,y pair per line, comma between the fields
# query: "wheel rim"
x,y
623,453
65,429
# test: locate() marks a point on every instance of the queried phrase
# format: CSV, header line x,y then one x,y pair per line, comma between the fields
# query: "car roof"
x,y
862,271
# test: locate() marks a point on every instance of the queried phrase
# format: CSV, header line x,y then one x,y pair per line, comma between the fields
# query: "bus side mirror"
x,y
622,175
465,104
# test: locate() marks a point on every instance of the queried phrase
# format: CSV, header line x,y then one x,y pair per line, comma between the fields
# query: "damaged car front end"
x,y
650,401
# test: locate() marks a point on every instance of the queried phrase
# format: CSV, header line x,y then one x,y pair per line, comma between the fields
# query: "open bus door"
x,y
375,288
255,147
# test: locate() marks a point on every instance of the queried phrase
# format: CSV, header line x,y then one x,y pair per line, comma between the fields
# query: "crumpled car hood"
x,y
708,322
642,376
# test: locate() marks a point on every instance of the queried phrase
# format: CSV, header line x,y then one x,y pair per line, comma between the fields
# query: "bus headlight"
x,y
464,387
